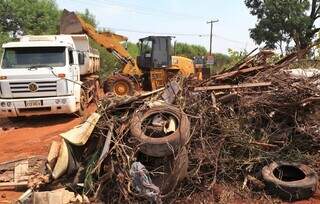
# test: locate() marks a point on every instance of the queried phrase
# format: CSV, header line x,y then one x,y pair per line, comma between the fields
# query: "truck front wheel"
x,y
83,103
16,119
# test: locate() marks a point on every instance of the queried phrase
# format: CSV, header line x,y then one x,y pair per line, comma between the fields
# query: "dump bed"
x,y
92,59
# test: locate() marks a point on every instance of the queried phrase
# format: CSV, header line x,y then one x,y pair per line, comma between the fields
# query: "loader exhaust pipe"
x,y
70,23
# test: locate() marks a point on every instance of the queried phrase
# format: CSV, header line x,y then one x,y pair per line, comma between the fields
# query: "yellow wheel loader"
x,y
152,69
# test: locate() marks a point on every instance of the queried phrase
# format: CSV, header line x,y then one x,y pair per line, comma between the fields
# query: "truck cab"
x,y
42,75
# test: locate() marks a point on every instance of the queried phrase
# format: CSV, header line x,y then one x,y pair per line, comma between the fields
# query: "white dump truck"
x,y
48,74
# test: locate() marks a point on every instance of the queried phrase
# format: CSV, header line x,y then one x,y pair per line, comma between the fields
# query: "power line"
x,y
174,34
175,14
148,12
156,33
228,39
150,32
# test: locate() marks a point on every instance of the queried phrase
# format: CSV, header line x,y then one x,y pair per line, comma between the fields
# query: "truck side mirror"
x,y
81,58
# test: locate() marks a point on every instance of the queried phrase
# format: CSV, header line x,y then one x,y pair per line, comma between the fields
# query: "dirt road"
x,y
32,136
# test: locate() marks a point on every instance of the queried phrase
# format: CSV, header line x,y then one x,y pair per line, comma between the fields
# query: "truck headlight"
x,y
3,104
8,104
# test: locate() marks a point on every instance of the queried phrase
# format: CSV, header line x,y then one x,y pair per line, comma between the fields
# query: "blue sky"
x,y
185,18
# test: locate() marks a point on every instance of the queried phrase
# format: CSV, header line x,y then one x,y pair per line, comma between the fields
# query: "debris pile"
x,y
243,128
189,137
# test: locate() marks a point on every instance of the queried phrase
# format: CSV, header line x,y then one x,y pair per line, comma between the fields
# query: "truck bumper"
x,y
52,105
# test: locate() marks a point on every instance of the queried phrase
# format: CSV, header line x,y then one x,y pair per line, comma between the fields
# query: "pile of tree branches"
x,y
234,133
232,140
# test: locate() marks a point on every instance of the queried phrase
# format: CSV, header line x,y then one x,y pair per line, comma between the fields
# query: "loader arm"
x,y
71,23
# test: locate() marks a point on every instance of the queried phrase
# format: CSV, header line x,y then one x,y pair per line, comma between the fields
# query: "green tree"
x,y
21,17
236,56
282,21
190,51
133,49
37,17
88,17
220,61
224,62
4,37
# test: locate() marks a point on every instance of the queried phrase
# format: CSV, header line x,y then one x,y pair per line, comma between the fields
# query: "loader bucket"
x,y
70,23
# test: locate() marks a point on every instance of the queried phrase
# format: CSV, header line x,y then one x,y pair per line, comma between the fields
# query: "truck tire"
x,y
290,181
119,85
83,103
16,119
97,90
160,146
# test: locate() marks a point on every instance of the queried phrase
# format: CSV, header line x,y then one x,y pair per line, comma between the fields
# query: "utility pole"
x,y
211,22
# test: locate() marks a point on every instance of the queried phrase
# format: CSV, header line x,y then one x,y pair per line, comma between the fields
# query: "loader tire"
x,y
160,146
119,85
290,181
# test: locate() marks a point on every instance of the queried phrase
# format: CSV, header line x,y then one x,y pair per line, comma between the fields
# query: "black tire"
x,y
16,119
160,146
173,168
290,181
179,171
83,104
110,85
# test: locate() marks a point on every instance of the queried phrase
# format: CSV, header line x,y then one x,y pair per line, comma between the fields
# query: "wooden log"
x,y
263,144
13,184
238,72
119,101
220,87
24,197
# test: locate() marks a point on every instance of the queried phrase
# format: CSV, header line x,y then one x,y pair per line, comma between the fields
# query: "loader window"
x,y
146,48
25,57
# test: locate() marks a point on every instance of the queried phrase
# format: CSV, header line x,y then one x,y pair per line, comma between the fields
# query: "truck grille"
x,y
30,88
34,110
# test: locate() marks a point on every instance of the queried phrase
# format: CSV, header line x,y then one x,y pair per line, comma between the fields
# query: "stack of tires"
x,y
170,148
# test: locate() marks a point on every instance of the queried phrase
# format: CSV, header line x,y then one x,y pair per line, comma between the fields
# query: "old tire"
x,y
167,171
290,181
160,146
179,171
119,85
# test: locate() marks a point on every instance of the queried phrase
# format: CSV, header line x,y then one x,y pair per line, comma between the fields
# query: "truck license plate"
x,y
36,103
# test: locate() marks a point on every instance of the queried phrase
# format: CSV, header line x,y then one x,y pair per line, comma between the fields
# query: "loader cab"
x,y
155,52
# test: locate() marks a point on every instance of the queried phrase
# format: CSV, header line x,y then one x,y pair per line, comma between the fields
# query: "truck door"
x,y
74,72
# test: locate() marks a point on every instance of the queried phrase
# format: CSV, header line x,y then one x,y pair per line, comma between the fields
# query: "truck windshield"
x,y
25,57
